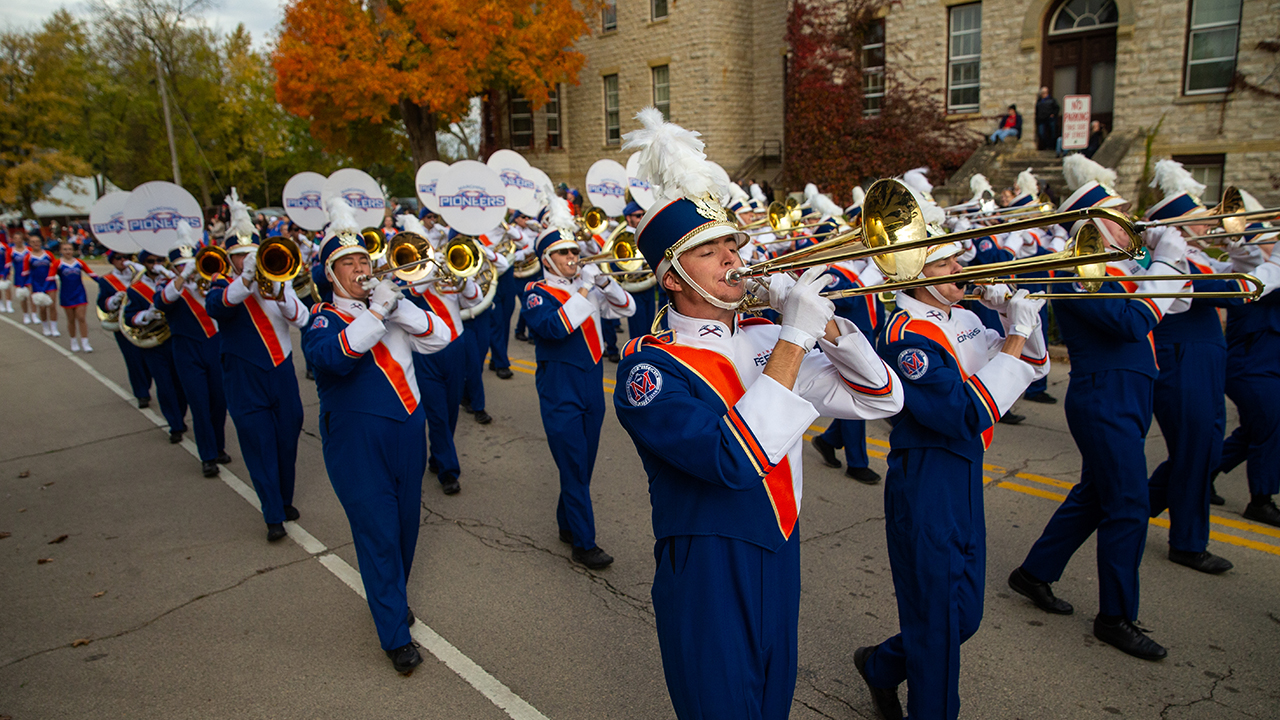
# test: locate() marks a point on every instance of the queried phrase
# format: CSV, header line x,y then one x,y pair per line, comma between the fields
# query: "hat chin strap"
x,y
675,265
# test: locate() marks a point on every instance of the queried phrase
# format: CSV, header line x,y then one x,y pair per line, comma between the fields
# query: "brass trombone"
x,y
278,262
409,255
375,242
1092,286
211,261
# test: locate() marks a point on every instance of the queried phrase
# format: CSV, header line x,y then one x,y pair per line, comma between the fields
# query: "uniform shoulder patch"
x,y
533,300
321,322
913,362
984,245
644,382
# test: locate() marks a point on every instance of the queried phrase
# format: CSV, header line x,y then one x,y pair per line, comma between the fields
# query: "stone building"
x,y
1205,72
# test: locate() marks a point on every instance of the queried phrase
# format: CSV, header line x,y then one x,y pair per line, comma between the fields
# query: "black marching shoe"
x,y
504,373
1012,418
210,468
826,450
483,417
1127,637
1263,512
521,336
466,407
450,486
310,375
405,658
291,513
1038,592
866,476
144,403
595,558
566,536
275,531
885,699
1214,497
175,438
1041,397
1205,562
614,357
223,458
409,619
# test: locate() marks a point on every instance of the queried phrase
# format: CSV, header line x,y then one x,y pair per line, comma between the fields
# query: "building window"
x,y
964,58
1206,169
873,69
1084,15
657,9
552,110
1212,39
521,123
612,129
662,90
609,16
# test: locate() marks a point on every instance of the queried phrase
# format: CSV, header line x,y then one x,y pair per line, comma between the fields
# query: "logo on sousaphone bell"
x,y
310,200
607,188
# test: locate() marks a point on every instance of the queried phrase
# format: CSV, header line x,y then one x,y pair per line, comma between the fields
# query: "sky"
x,y
260,17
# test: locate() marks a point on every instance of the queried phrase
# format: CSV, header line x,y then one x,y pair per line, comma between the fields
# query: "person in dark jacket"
x,y
1096,136
1047,112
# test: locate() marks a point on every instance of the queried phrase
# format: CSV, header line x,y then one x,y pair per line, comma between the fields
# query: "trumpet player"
x,y
140,311
258,374
113,289
196,347
564,311
372,422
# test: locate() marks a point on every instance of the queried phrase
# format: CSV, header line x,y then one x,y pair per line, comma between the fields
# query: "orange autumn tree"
x,y
355,68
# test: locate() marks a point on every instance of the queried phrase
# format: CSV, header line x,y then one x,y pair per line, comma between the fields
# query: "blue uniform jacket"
x,y
1104,333
864,311
1201,322
247,328
555,316
187,316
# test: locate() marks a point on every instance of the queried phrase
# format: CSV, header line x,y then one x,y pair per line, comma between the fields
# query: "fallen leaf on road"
x,y
22,510
24,473
58,539
48,484
100,593
42,561
81,641
4,535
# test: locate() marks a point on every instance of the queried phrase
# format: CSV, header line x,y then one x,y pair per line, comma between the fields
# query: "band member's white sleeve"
x,y
619,301
170,292
470,295
364,332
847,379
237,292
427,332
778,417
1006,378
577,309
1163,286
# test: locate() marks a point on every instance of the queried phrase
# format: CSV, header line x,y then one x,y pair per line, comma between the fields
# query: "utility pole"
x,y
168,123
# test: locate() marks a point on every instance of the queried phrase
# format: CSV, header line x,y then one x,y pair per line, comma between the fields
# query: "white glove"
x,y
385,297
1167,245
996,297
137,267
805,313
161,270
1023,314
188,269
250,267
778,286
147,316
589,273
114,302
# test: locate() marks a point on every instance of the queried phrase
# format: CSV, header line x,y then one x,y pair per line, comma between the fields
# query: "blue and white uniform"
x,y
197,349
867,313
115,284
139,299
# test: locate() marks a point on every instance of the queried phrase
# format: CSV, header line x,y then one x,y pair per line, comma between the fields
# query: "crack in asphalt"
x,y
830,696
829,533
87,443
121,633
1217,680
518,542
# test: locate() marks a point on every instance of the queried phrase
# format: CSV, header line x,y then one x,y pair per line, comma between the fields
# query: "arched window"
x,y
1080,15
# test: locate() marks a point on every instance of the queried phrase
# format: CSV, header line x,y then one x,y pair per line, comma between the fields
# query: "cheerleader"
x,y
37,271
71,296
6,271
22,291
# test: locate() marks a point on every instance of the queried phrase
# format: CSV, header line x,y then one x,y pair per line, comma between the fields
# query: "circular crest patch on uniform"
x,y
913,362
533,301
320,323
984,245
644,382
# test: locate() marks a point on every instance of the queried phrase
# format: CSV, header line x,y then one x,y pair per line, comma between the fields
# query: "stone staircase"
x,y
1001,164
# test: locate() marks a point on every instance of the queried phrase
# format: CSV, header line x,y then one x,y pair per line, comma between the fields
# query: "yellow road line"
x,y
1053,482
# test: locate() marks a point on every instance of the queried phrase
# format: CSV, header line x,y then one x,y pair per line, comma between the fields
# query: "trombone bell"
x,y
278,262
375,242
211,261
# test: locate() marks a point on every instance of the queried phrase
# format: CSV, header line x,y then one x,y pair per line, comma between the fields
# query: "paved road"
x,y
165,600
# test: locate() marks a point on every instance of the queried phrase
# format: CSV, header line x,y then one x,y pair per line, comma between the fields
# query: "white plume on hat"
x,y
824,206
1078,170
671,159
978,184
241,223
736,193
758,195
185,238
810,191
859,196
342,218
1026,183
409,223
1172,179
917,179
559,216
1251,203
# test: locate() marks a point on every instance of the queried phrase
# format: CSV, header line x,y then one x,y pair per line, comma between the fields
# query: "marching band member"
x,y
441,374
112,292
717,408
140,311
641,321
71,295
959,378
476,339
372,424
563,312
504,303
257,371
40,280
529,230
196,347
1109,408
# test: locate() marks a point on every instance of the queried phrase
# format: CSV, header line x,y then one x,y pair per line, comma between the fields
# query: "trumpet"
x,y
211,261
278,262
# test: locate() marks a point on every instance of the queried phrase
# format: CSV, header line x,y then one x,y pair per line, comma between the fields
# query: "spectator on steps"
x,y
1010,126
1046,120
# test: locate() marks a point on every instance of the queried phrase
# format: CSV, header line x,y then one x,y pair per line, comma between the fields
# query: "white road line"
x,y
444,651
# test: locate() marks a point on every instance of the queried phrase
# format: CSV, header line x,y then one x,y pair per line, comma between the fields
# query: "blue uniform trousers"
x,y
476,336
504,302
1108,413
852,436
572,403
267,412
937,537
139,377
1192,412
1235,450
200,375
375,465
1253,384
727,613
173,404
440,378
638,325
609,329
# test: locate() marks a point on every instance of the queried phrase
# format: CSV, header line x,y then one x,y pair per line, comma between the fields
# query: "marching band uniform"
x,y
531,238
569,378
1109,410
260,381
504,303
476,338
196,347
958,383
641,321
112,289
372,427
139,311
